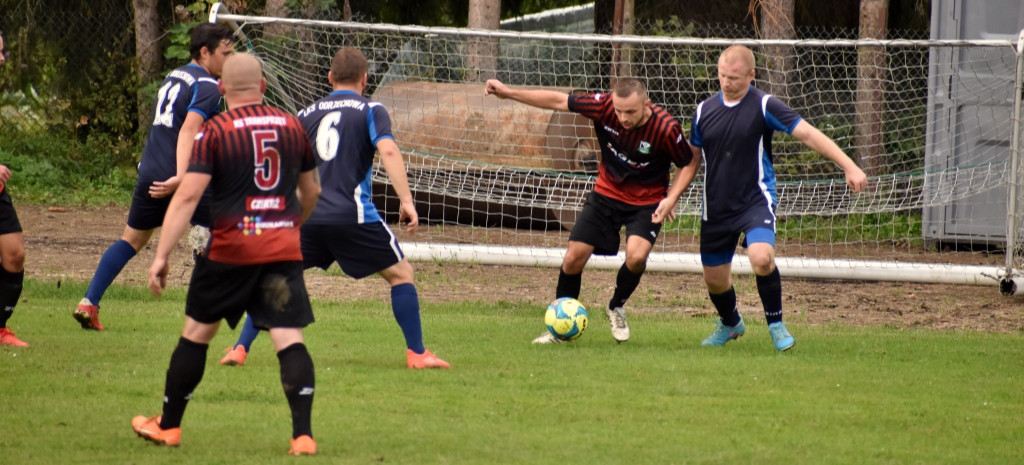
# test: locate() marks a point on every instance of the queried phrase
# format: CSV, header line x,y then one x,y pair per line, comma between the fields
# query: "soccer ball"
x,y
566,318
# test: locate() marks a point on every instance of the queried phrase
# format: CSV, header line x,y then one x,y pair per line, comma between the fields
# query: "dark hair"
x,y
209,35
349,65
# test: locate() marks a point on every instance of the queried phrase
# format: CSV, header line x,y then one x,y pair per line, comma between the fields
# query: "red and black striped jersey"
x,y
254,155
635,163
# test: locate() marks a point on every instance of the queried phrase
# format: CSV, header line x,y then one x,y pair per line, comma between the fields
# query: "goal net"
x,y
935,124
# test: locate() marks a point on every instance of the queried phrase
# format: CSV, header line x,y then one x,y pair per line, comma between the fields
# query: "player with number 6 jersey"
x,y
345,130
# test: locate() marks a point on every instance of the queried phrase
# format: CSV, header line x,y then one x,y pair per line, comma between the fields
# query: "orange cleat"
x,y
149,429
303,445
88,315
7,338
234,356
424,360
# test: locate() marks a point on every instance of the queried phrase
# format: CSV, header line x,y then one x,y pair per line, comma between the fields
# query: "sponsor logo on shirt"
x,y
259,121
254,225
264,203
625,159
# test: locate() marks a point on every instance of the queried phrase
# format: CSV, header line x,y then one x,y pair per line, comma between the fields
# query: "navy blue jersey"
x,y
188,88
344,128
635,163
737,144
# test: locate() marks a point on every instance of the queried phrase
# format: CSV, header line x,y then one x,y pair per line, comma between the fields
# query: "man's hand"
x,y
158,276
161,189
666,211
407,212
495,87
5,175
856,179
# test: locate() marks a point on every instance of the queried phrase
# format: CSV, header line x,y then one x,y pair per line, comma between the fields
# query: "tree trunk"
x,y
276,9
777,23
622,54
147,52
870,87
482,52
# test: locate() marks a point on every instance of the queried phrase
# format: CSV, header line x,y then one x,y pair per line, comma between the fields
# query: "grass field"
x,y
843,395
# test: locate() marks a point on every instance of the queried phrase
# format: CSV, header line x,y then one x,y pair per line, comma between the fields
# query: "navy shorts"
x,y
601,219
359,249
148,213
718,239
273,293
8,216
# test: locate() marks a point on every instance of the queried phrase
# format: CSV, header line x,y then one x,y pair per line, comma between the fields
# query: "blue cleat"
x,y
725,333
780,336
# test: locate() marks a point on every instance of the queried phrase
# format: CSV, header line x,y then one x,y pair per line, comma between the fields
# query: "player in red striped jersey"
x,y
254,157
640,142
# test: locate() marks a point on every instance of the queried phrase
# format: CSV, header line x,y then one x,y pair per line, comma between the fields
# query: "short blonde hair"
x,y
738,53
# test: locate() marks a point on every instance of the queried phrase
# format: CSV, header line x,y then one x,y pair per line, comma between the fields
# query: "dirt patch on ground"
x,y
66,245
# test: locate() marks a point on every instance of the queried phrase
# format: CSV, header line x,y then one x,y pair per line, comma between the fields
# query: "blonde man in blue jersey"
x,y
733,131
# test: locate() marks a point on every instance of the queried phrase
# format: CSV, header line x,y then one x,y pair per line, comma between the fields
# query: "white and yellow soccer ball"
x,y
566,318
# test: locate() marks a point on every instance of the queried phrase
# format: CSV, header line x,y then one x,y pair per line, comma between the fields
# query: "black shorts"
x,y
359,249
148,212
599,222
274,294
718,239
8,216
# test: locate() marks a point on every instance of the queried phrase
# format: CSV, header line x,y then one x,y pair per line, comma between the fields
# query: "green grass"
x,y
841,396
898,227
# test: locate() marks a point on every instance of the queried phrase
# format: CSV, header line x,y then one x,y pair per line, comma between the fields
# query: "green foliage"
x,y
180,33
842,396
66,170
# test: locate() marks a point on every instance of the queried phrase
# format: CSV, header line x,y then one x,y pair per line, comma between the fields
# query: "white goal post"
x,y
498,182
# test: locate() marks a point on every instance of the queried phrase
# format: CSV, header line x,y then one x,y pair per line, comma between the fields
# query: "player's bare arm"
x,y
186,137
308,192
394,166
5,175
549,99
666,210
176,222
819,142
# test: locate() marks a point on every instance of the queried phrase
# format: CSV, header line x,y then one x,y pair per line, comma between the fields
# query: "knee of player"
x,y
13,259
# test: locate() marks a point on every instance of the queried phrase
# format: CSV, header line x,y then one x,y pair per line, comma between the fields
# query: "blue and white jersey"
x,y
186,89
737,143
344,128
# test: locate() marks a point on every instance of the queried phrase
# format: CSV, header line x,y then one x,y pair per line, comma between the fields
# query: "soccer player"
x,y
12,250
346,129
733,131
187,97
639,142
254,157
